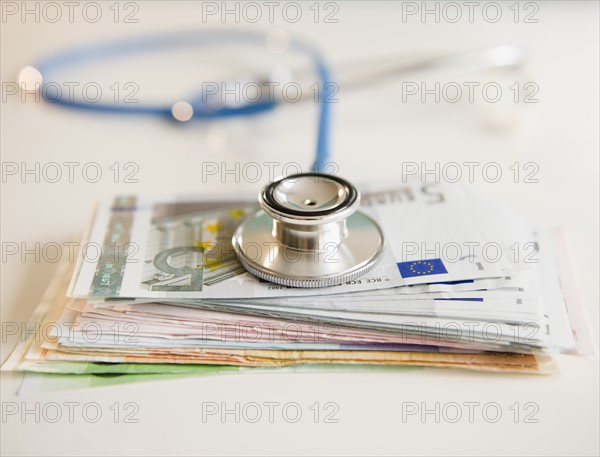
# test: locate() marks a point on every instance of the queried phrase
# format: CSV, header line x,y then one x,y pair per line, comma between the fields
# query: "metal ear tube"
x,y
309,233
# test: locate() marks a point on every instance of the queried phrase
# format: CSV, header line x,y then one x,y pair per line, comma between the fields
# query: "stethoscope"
x,y
308,232
197,107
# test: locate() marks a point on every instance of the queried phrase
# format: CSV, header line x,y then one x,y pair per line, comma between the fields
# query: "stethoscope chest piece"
x,y
309,233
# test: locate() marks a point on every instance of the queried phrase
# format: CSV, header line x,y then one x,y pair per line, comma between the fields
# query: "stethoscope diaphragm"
x,y
309,233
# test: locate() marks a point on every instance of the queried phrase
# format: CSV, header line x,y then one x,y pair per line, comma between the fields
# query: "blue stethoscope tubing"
x,y
201,111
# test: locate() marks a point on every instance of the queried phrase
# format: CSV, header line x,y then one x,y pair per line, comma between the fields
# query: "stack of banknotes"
x,y
157,288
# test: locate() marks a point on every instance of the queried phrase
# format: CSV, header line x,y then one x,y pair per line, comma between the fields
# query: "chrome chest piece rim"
x,y
309,233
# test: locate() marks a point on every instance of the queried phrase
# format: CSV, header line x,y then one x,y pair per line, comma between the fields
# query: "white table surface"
x,y
374,133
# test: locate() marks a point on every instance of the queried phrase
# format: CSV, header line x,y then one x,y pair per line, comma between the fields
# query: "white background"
x,y
373,134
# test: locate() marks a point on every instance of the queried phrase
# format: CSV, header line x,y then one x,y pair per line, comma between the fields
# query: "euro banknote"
x,y
180,248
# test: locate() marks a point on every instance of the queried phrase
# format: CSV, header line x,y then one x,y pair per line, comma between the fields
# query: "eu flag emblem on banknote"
x,y
421,268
